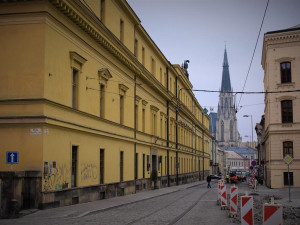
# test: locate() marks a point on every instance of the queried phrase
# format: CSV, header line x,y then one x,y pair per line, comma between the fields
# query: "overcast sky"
x,y
198,29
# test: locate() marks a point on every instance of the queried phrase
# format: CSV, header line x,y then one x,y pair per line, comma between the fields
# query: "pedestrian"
x,y
227,178
208,179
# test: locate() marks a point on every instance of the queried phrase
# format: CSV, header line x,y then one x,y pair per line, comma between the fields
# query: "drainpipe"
x,y
177,111
168,142
135,159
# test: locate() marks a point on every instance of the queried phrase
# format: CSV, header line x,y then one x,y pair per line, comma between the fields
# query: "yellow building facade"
x,y
91,106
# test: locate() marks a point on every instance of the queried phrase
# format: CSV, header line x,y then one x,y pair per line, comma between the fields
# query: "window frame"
x,y
287,111
287,148
286,73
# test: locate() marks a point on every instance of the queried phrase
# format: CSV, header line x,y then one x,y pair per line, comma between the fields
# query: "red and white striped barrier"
x,y
223,197
272,214
220,182
247,210
233,200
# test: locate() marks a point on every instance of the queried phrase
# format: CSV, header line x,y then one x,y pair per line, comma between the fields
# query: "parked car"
x,y
213,176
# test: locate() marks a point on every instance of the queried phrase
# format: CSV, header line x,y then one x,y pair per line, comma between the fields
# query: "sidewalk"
x,y
83,209
281,195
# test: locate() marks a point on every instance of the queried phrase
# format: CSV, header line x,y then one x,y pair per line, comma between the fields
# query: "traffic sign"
x,y
288,159
253,163
12,157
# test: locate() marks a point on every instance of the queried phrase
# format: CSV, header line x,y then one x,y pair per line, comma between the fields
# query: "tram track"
x,y
177,218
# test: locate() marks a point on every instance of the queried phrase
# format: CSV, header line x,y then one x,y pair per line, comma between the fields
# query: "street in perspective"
x,y
185,204
149,112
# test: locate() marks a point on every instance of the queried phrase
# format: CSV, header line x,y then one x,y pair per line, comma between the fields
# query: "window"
x,y
121,166
153,66
102,10
160,75
287,148
122,91
285,69
137,117
166,165
121,109
136,47
171,130
161,126
144,119
121,30
287,111
286,178
101,166
148,163
136,165
143,165
77,62
154,111
143,56
74,166
75,89
102,92
165,128
171,170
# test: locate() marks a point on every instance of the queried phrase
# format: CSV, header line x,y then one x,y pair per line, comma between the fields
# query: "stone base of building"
x,y
21,190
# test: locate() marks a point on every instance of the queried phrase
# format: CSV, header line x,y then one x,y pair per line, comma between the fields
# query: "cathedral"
x,y
223,124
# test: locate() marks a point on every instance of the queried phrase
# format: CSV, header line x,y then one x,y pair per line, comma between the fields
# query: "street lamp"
x,y
246,136
251,127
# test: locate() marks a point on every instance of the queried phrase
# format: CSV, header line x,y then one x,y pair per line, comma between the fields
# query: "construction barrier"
x,y
247,217
233,200
272,214
220,182
223,197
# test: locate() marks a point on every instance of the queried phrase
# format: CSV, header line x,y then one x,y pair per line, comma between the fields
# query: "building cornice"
x,y
74,16
278,38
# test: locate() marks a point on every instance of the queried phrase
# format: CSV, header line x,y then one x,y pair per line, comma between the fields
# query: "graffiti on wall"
x,y
57,178
89,171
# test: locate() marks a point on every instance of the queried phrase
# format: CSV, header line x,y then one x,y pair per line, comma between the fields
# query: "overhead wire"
x,y
254,51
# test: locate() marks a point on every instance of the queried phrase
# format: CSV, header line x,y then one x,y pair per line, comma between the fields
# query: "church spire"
x,y
226,85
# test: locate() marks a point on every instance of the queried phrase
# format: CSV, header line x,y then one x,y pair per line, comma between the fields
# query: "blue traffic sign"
x,y
253,163
12,157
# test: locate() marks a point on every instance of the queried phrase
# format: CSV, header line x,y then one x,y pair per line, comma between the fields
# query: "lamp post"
x,y
246,136
251,128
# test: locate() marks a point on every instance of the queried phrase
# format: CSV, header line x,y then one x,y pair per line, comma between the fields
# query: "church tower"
x,y
226,124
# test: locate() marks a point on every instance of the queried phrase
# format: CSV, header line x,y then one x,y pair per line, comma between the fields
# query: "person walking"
x,y
208,179
227,178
